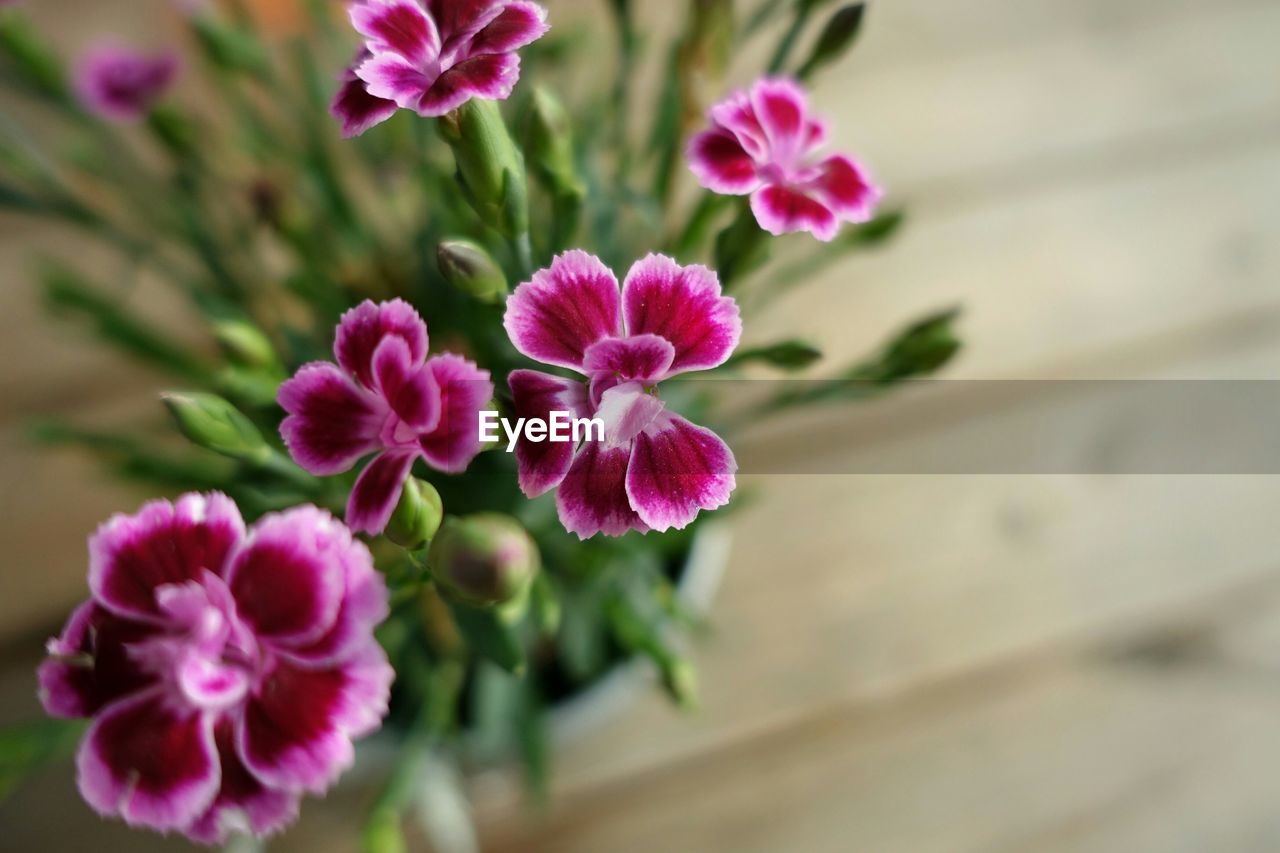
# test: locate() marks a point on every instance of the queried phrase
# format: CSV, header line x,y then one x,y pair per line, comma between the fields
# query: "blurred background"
x,y
894,663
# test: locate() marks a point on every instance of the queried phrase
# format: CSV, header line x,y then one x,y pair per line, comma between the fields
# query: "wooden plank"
x,y
1019,761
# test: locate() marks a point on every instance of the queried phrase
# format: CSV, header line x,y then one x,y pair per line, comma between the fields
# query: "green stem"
x,y
788,43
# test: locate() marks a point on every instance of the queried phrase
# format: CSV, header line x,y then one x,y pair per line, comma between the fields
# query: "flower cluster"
x,y
227,667
226,670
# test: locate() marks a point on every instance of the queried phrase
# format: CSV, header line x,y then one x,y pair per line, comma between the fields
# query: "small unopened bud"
x,y
490,168
471,269
680,680
417,517
245,345
839,33
482,560
214,424
551,145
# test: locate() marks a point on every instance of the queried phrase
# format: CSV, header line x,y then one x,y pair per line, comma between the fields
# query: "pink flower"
x,y
355,107
226,671
655,470
434,59
388,398
761,143
119,84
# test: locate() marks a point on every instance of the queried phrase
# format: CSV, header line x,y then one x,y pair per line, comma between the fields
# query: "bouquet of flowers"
x,y
442,465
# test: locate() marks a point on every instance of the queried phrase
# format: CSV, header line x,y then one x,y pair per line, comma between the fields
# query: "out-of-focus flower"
x,y
119,84
761,143
654,470
433,58
386,397
226,670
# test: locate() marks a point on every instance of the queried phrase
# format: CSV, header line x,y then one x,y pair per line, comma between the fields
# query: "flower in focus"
x,y
654,470
433,58
120,84
386,397
761,143
226,670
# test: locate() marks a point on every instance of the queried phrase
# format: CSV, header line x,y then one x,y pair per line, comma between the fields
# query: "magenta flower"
x,y
355,107
655,470
226,671
761,143
388,398
434,58
119,84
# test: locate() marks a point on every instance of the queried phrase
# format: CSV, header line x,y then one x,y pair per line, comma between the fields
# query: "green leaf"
x,y
26,748
837,37
67,294
491,636
787,355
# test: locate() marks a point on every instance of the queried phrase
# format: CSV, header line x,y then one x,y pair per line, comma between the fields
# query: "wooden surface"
x,y
926,663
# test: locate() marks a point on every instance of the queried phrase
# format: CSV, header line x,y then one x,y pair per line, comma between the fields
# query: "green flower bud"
x,y
551,145
482,560
490,168
383,833
680,680
839,33
417,517
246,345
471,269
214,424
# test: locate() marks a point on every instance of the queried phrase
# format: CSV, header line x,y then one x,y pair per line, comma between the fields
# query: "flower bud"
x,y
836,38
680,680
551,145
214,424
417,517
490,168
471,269
245,345
484,559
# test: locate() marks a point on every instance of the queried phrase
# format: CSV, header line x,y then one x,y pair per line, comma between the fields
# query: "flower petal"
x,y
407,386
640,358
676,470
783,210
377,491
130,556
364,606
390,77
332,421
683,305
490,76
401,27
626,410
737,115
243,804
519,23
357,109
89,665
722,165
564,309
543,465
846,188
150,764
364,327
782,109
464,390
296,731
593,497
288,580
461,18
